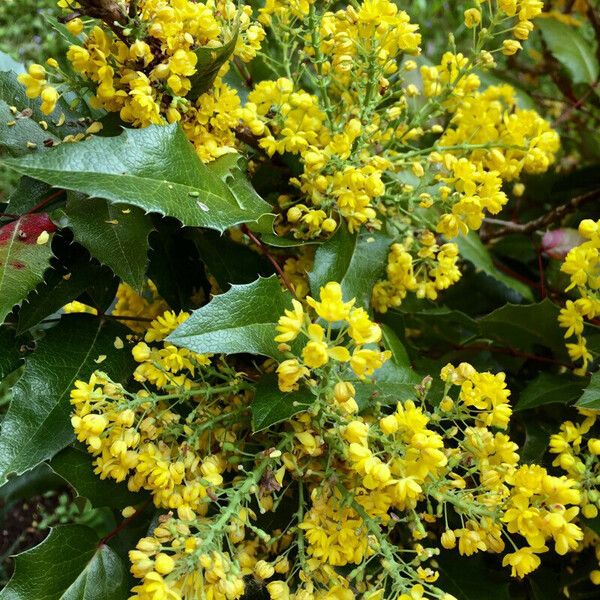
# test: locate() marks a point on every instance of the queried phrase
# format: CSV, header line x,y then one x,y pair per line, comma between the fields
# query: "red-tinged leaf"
x,y
25,254
557,244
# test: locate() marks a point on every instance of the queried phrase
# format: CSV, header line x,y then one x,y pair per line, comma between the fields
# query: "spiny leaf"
x,y
115,234
210,61
24,256
591,395
68,565
37,423
155,168
241,320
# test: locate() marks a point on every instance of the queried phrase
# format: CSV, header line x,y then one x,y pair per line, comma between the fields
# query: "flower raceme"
x,y
438,472
582,265
425,157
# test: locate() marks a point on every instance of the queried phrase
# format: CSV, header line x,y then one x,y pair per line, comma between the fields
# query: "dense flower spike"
x,y
582,265
324,472
344,100
357,473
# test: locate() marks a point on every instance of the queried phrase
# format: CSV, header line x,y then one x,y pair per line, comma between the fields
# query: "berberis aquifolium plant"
x,y
299,304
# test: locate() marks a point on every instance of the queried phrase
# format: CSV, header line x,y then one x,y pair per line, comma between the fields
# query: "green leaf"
x,y
441,323
394,381
175,266
8,63
68,565
37,423
10,356
537,438
548,388
238,321
355,261
229,262
28,194
210,61
472,249
163,175
115,234
270,405
22,260
75,466
231,169
591,395
525,326
61,286
20,134
569,46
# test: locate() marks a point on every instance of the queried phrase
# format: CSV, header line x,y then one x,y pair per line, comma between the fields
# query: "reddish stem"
x,y
271,258
46,201
122,525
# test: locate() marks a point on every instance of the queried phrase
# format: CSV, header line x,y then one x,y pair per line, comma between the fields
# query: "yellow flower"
x,y
472,18
524,560
290,323
331,306
365,362
290,372
362,330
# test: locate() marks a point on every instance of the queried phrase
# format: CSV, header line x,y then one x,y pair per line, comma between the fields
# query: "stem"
x,y
123,524
554,216
271,258
318,62
46,201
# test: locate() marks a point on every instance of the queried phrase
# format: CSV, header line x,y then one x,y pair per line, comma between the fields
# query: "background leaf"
x,y
472,249
238,321
68,565
548,388
229,262
63,284
270,405
163,175
22,260
570,48
525,326
75,466
591,395
37,423
356,261
10,357
115,234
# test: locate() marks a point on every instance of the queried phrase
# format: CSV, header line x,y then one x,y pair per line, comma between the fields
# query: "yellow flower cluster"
x,y
372,142
357,470
434,268
138,438
151,67
343,346
582,265
577,450
37,86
